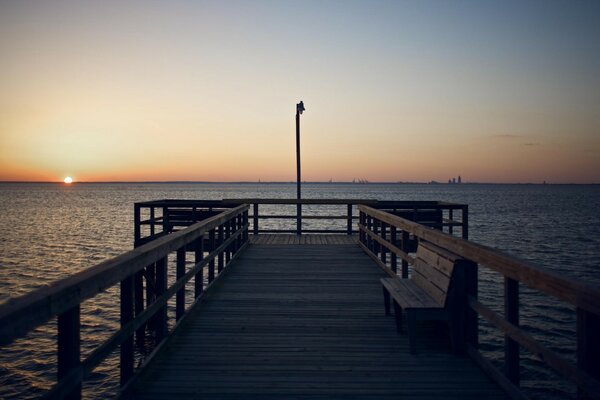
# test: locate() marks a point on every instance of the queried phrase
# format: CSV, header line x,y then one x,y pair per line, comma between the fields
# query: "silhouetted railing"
x,y
140,272
156,218
387,238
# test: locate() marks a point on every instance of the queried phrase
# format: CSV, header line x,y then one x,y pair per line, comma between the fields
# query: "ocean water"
x,y
50,231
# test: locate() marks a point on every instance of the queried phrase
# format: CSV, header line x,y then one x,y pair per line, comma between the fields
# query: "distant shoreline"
x,y
306,183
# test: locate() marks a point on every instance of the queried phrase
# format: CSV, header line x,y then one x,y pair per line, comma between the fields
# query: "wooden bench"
x,y
432,292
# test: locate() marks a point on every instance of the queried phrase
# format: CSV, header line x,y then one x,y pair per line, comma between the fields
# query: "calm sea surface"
x,y
50,231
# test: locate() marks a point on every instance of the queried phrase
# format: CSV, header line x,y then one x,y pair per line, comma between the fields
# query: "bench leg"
x,y
386,300
398,314
456,333
411,321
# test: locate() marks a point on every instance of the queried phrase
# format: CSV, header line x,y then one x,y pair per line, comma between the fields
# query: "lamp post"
x,y
299,110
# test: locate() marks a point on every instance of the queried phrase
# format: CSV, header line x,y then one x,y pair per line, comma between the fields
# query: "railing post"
x,y
588,345
393,240
180,296
152,222
362,222
241,236
349,227
211,263
472,319
381,247
465,222
150,275
69,345
219,243
227,236
368,236
255,219
405,239
127,299
165,220
137,226
246,227
451,220
199,277
511,314
376,247
161,287
138,292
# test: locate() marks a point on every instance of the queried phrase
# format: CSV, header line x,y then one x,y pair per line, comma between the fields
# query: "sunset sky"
x,y
206,90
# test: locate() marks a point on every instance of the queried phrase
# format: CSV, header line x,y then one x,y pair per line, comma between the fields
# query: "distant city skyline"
x,y
499,92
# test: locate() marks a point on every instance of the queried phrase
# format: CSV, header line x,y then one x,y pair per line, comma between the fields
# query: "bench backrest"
x,y
434,270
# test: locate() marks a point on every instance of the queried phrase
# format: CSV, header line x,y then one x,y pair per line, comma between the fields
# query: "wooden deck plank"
x,y
304,322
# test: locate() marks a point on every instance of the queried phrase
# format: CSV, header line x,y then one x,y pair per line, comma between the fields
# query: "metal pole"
x,y
298,177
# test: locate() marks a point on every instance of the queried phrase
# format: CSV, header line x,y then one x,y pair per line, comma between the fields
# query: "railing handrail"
x,y
21,314
575,292
300,201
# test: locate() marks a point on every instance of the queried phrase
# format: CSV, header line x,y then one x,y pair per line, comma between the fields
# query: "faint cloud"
x,y
506,136
531,144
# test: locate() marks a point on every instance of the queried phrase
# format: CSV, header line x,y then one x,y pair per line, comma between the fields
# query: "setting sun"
x,y
68,179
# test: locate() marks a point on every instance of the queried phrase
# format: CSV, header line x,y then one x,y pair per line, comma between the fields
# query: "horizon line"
x,y
309,182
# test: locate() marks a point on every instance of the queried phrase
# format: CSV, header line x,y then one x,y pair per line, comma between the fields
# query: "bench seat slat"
x,y
408,294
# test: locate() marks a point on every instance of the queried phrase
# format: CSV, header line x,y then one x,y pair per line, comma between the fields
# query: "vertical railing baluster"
x,y
240,226
180,296
393,240
472,318
219,243
152,222
511,314
405,239
199,277
227,236
138,292
246,227
161,287
211,263
376,246
465,222
368,236
362,222
127,300
382,247
69,346
137,224
255,219
349,227
451,220
165,220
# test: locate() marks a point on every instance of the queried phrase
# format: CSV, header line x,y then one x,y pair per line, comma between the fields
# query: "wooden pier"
x,y
279,311
303,321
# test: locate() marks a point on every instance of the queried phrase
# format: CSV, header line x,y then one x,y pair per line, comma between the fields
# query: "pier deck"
x,y
304,319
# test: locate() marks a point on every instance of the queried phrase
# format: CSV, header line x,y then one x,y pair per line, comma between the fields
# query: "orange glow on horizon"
x,y
207,92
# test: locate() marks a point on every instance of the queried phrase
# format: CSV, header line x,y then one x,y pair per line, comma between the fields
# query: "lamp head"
x,y
300,107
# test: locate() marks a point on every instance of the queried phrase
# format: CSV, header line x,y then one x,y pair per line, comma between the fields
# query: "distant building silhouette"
x,y
455,181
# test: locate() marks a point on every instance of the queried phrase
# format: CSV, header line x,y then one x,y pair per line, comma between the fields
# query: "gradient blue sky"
x,y
206,90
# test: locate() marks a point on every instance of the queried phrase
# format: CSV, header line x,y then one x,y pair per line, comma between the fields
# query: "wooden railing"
x,y
384,237
142,271
155,218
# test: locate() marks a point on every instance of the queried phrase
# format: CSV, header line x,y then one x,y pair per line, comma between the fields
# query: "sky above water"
x,y
206,90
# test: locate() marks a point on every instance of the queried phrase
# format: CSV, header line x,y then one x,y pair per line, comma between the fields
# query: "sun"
x,y
68,179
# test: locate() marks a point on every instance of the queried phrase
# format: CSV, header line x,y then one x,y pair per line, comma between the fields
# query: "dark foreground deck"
x,y
304,321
